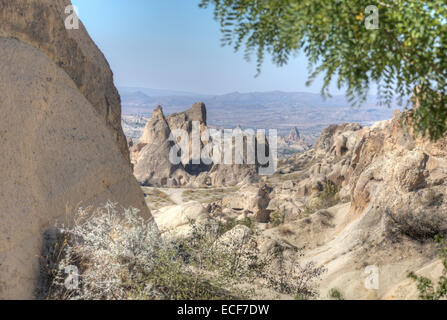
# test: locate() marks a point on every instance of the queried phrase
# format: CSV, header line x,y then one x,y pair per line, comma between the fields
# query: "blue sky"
x,y
173,44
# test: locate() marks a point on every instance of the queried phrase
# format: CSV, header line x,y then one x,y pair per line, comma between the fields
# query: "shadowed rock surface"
x,y
41,24
150,156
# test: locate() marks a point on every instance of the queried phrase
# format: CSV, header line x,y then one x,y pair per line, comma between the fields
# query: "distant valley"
x,y
308,112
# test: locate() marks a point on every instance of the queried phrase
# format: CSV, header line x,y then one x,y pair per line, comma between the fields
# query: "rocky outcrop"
x,y
252,200
41,24
228,175
156,129
363,196
176,217
393,187
151,154
153,167
183,120
292,143
294,135
380,165
58,136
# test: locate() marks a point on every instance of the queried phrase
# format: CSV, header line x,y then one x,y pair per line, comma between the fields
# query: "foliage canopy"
x,y
404,56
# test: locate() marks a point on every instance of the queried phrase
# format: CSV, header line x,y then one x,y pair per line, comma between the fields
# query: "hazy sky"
x,y
173,44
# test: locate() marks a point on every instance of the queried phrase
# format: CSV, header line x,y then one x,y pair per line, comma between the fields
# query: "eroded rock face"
x,y
393,187
292,143
58,153
363,196
183,120
170,218
380,165
41,24
151,155
389,167
252,200
294,135
156,129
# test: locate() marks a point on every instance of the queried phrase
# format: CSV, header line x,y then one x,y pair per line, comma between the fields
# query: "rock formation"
x,y
41,24
183,120
177,219
60,137
292,143
363,196
152,165
294,135
252,200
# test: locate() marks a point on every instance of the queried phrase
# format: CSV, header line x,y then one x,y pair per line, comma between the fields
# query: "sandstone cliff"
x,y
292,143
393,186
60,137
150,155
41,24
363,196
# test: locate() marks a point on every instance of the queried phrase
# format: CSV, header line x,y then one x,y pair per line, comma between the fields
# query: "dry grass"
x,y
120,256
206,195
157,199
285,230
421,225
327,198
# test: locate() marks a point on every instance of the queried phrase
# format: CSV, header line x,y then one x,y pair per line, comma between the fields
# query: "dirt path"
x,y
175,194
203,195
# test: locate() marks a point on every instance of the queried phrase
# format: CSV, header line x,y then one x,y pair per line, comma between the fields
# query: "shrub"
x,y
329,195
230,223
119,255
335,294
122,256
113,253
287,276
420,225
277,218
426,288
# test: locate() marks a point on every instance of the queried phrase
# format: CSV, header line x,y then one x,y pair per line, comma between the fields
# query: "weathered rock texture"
x,y
58,153
394,188
41,24
294,135
150,156
252,200
292,143
363,196
152,164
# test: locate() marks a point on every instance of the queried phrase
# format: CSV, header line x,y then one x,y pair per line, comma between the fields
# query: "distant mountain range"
x,y
309,112
158,92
